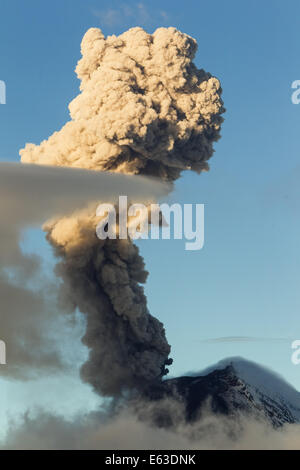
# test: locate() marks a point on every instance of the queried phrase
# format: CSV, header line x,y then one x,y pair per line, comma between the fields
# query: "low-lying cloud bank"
x,y
126,431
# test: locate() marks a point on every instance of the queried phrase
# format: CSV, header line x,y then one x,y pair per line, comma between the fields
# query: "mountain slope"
x,y
235,386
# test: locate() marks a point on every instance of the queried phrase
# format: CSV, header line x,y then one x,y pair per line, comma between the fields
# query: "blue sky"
x,y
245,281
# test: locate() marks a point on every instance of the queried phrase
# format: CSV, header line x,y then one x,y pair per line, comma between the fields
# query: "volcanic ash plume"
x,y
144,109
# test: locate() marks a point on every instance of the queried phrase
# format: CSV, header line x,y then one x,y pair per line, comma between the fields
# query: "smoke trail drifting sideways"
x,y
144,108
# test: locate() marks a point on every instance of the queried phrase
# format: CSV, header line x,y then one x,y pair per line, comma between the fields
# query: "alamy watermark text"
x,y
2,92
2,353
139,221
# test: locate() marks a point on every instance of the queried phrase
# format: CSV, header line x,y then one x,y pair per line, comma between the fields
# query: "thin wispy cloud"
x,y
243,339
137,14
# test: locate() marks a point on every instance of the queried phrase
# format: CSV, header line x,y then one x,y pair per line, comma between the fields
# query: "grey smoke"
x,y
32,323
144,109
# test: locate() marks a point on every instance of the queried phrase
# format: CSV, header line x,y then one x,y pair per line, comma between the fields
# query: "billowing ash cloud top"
x,y
144,108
